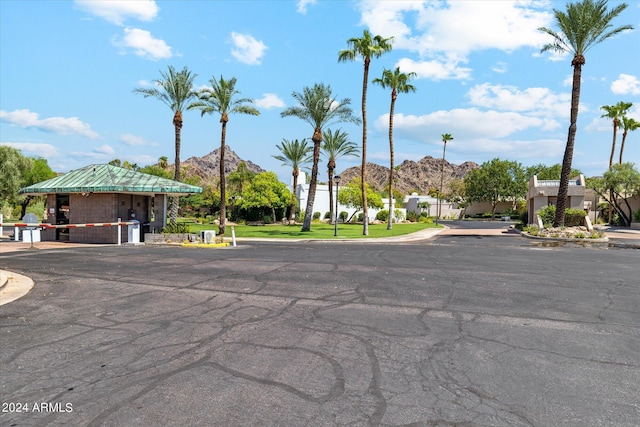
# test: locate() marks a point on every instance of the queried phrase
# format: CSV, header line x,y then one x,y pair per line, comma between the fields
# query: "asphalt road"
x,y
458,330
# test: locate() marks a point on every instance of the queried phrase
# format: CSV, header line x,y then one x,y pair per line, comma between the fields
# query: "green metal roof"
x,y
110,179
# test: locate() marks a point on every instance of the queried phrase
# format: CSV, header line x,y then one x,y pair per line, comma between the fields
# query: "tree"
x,y
319,108
585,24
12,167
615,112
399,83
38,171
163,162
366,47
221,98
265,191
174,89
445,137
616,186
295,154
351,196
336,144
629,125
553,172
496,181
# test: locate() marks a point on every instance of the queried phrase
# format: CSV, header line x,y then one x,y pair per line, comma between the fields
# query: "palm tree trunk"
x,y
332,218
613,149
365,209
223,184
391,159
317,139
563,191
175,201
439,208
624,137
295,174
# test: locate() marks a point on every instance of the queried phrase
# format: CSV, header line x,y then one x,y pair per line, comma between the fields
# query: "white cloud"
x,y
143,44
453,29
270,100
459,27
247,49
302,5
34,149
500,68
105,149
59,125
134,140
537,100
117,11
434,70
626,85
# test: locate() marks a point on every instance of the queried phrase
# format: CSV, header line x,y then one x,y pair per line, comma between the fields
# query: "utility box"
x,y
133,233
208,236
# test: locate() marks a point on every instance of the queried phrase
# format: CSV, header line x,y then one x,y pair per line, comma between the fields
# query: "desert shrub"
x,y
532,229
316,215
176,228
398,215
411,216
572,217
425,220
382,215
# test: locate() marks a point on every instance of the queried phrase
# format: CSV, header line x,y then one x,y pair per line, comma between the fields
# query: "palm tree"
x,y
319,108
629,125
295,154
585,24
365,47
163,162
174,89
615,112
221,98
336,144
445,137
398,82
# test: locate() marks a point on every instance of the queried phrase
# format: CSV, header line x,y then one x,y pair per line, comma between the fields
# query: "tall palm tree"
x,y
629,125
163,162
319,108
175,89
221,98
585,24
445,138
336,144
615,112
398,82
366,47
295,154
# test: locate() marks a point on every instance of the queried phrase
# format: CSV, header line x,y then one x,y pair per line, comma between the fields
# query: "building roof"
x,y
110,179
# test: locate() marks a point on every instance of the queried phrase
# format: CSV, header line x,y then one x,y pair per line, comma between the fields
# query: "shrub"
x,y
425,220
572,217
397,215
532,229
411,216
636,215
361,217
299,215
343,216
316,215
267,219
327,215
382,215
176,228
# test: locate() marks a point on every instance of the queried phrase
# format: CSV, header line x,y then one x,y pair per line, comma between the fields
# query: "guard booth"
x,y
103,194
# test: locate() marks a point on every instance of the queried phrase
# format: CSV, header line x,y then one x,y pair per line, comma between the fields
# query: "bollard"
x,y
119,232
233,237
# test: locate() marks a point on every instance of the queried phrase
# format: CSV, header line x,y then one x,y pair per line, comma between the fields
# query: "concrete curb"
x,y
15,287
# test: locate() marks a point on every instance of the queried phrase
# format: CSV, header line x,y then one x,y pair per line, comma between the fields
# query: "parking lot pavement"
x,y
500,332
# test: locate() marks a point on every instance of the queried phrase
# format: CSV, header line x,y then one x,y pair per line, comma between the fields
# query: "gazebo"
x,y
101,194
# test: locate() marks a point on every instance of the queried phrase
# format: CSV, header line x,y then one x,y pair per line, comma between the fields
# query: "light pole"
x,y
445,137
437,205
336,178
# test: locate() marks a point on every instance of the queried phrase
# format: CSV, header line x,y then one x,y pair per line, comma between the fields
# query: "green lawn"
x,y
318,230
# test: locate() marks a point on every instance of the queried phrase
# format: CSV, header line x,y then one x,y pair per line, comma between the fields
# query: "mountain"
x,y
412,176
208,166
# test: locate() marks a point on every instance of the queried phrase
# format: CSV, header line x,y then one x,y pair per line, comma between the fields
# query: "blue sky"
x,y
68,70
